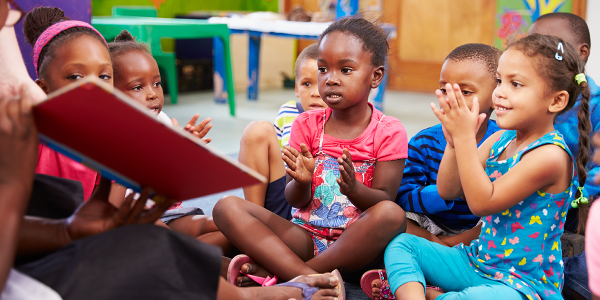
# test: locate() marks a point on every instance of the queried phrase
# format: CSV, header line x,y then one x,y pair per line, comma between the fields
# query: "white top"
x,y
22,287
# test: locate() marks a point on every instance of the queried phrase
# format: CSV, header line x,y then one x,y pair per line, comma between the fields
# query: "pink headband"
x,y
53,31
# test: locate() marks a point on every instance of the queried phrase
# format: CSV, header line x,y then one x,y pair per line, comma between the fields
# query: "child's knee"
x,y
258,131
390,214
403,242
227,206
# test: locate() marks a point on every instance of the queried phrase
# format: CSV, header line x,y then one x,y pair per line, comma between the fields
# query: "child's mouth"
x,y
502,108
333,97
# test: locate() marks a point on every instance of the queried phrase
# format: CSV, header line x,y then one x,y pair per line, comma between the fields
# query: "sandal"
x,y
384,290
235,270
309,291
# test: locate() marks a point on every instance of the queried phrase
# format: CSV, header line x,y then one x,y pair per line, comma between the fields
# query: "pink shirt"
x,y
383,141
592,248
53,163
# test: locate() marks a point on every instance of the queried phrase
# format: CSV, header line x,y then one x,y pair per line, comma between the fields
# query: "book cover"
x,y
104,129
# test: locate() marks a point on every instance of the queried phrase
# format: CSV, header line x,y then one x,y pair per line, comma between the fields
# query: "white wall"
x,y
593,21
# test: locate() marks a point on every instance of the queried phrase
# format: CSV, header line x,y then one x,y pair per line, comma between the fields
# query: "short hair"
x,y
124,43
482,53
577,26
372,36
310,52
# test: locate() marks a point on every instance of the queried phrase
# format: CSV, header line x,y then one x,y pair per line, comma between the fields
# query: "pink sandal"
x,y
235,270
384,290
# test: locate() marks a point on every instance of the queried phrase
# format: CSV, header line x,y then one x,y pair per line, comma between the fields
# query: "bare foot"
x,y
251,269
376,285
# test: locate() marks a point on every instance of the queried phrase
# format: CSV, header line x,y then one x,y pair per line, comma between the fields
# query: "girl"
x,y
522,181
71,50
341,218
137,75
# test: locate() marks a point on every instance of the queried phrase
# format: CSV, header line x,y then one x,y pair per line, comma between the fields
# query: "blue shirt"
x,y
418,192
567,123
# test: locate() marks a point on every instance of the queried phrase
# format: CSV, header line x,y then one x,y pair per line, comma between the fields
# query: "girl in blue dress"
x,y
521,181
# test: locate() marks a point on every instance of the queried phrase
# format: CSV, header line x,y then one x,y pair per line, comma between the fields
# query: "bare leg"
x,y
259,150
414,229
202,228
276,244
364,241
465,237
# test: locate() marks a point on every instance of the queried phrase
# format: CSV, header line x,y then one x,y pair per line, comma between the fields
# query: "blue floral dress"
x,y
521,246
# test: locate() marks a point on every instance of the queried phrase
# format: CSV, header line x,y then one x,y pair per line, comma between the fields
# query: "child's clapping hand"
x,y
347,180
301,165
200,130
458,120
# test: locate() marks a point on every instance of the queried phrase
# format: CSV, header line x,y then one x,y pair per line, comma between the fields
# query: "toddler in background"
x,y
137,75
262,142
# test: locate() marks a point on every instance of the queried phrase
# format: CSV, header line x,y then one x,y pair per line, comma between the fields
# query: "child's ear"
x,y
560,100
378,75
584,51
43,85
296,89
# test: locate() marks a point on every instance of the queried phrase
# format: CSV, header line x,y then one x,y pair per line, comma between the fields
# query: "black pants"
x,y
133,262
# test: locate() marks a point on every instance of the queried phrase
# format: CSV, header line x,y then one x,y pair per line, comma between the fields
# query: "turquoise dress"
x,y
521,246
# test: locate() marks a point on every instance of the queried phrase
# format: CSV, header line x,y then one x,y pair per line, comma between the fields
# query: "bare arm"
x,y
301,166
386,181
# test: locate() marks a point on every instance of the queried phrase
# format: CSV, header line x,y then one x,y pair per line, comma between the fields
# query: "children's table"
x,y
152,30
289,29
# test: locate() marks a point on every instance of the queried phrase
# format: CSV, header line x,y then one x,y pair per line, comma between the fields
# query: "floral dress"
x,y
521,246
330,211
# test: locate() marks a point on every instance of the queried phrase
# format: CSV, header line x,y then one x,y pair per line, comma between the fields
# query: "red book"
x,y
103,128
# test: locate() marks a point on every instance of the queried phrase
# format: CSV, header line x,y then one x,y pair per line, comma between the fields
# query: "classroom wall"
x,y
171,8
593,64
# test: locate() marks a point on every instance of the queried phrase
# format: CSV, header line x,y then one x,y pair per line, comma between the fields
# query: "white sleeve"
x,y
22,287
163,118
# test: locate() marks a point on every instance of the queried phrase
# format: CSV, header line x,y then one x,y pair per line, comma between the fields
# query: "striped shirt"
x,y
285,117
418,192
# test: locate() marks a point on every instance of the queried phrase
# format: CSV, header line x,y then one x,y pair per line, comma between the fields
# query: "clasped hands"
x,y
459,122
301,166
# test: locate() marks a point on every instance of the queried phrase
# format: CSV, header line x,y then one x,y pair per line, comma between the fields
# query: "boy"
x,y
261,144
574,30
473,68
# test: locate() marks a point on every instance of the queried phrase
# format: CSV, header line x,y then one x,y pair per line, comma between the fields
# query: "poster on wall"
x,y
515,16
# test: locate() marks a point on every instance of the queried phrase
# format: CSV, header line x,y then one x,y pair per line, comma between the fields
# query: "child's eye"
x,y
307,84
498,81
346,70
467,93
74,77
137,88
104,77
322,69
443,91
516,84
157,84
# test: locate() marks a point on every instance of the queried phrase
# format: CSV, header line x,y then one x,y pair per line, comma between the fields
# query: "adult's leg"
x,y
363,241
259,150
132,262
276,244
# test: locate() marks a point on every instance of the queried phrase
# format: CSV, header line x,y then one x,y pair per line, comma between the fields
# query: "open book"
x,y
104,129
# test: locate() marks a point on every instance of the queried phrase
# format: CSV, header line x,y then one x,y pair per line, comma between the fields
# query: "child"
x,y
473,68
136,74
521,180
77,42
262,142
574,30
341,218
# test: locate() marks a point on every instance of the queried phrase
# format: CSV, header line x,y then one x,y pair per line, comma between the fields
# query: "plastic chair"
x,y
166,61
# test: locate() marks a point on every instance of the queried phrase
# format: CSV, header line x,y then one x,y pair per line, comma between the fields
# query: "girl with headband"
x,y
65,51
521,180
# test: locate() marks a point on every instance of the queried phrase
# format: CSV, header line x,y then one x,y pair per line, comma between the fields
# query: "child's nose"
x,y
314,92
332,79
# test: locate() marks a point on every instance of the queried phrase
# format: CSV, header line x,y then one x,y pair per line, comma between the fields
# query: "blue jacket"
x,y
418,192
